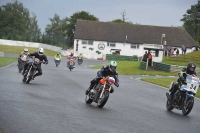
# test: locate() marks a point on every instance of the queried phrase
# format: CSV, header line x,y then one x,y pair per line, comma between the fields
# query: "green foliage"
x,y
72,22
191,21
17,24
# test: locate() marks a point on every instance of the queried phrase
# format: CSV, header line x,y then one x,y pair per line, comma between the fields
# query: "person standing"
x,y
149,58
183,49
145,57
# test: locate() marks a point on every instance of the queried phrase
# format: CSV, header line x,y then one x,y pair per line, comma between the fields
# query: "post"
x,y
147,64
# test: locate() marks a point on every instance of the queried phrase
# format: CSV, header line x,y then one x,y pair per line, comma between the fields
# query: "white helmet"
x,y
41,51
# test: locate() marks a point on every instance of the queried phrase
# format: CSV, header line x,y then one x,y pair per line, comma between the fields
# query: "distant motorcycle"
x,y
71,64
22,61
31,70
100,92
80,60
183,98
57,61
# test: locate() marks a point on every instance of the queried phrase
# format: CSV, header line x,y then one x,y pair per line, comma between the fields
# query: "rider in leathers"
x,y
189,70
104,72
40,55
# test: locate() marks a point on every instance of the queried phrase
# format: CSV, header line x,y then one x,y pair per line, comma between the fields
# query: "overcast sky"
x,y
145,12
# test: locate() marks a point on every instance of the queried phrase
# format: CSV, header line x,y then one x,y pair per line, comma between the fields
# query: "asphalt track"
x,y
55,103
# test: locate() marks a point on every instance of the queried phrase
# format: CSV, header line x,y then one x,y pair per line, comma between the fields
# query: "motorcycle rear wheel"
x,y
101,102
187,106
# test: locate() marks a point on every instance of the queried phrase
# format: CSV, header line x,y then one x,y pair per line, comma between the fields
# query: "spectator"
x,y
183,48
149,58
177,52
145,57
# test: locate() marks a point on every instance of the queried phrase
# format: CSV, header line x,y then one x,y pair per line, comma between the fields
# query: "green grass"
x,y
183,60
165,82
6,61
19,49
132,68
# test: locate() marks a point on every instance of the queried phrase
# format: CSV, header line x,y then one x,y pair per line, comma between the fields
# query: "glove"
x,y
182,78
46,62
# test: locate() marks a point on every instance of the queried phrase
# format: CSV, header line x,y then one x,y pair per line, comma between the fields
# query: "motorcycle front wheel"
x,y
187,105
102,101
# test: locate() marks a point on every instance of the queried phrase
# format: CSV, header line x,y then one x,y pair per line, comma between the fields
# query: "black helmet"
x,y
191,68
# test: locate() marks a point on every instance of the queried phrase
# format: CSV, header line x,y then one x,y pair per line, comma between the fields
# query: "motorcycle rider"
x,y
40,55
58,55
104,72
71,56
81,57
25,52
189,70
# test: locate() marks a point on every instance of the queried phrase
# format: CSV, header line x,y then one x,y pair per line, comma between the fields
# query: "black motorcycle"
x,y
57,61
22,61
80,60
31,70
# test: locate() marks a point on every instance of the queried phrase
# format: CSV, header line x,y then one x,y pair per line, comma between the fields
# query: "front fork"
x,y
104,90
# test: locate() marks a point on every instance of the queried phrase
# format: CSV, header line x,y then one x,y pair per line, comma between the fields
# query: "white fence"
x,y
34,45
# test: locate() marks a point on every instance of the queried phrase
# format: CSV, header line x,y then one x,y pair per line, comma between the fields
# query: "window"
x,y
89,42
84,41
135,46
111,44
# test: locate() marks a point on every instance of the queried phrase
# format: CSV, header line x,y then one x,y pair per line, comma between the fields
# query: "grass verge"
x,y
133,68
19,49
6,61
165,82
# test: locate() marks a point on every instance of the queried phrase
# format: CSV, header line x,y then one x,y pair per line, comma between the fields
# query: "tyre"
x,y
187,105
88,100
169,106
29,77
101,102
56,65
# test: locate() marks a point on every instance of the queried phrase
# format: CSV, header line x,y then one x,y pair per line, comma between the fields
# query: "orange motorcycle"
x,y
100,92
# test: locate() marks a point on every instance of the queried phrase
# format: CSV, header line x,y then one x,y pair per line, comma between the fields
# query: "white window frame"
x,y
136,46
87,42
108,44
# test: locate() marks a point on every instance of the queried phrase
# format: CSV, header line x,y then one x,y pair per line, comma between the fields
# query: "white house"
x,y
95,39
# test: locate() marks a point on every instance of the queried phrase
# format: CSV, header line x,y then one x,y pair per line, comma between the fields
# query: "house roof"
x,y
136,34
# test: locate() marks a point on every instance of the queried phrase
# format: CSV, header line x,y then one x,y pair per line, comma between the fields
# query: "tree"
x,y
72,22
56,32
34,30
16,23
191,21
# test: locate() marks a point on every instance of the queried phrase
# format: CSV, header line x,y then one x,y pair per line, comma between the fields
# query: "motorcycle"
x,y
80,60
183,98
100,92
71,64
57,61
22,61
31,70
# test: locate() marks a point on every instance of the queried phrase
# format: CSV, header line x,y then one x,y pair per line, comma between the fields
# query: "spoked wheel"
x,y
88,100
102,101
187,105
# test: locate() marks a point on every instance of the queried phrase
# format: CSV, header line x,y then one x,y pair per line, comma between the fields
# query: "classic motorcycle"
x,y
31,70
71,64
183,98
80,60
100,92
22,61
57,61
